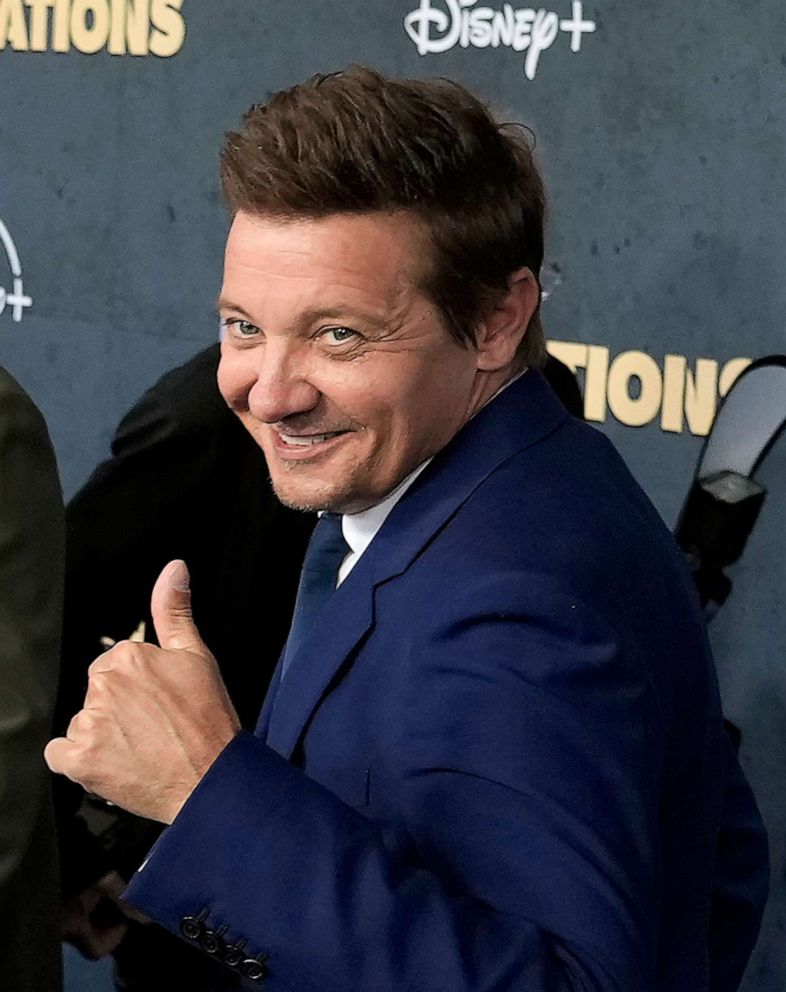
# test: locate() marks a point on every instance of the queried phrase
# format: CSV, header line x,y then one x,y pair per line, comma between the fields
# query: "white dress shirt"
x,y
360,529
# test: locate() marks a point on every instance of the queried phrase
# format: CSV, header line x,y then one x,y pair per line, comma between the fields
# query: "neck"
x,y
488,384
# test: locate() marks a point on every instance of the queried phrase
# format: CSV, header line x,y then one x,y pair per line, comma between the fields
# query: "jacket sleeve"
x,y
542,878
31,579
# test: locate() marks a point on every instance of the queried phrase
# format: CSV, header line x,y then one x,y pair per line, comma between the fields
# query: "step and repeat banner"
x,y
660,130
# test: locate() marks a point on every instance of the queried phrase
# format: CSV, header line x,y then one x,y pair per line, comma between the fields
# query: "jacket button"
x,y
191,927
234,955
253,970
210,942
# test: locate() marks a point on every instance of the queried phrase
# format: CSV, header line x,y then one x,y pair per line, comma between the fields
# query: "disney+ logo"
x,y
439,25
13,298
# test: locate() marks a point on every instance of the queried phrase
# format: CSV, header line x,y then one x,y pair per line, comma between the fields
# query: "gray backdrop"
x,y
662,142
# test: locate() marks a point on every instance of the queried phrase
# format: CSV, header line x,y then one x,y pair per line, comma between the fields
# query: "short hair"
x,y
357,142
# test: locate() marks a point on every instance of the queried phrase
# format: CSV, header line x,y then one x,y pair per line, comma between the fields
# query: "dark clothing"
x,y
31,599
185,480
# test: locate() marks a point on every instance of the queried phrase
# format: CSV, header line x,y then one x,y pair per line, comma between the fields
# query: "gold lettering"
x,y
595,383
89,37
673,410
39,23
635,412
701,396
679,394
13,27
570,353
135,27
731,371
61,40
118,18
169,27
130,27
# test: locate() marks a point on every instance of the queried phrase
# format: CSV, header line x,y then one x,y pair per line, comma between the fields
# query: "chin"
x,y
318,496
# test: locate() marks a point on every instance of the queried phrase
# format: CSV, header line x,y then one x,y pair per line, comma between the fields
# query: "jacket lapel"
x,y
525,413
336,631
263,721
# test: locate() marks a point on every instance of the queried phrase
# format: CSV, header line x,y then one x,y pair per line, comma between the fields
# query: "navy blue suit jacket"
x,y
498,762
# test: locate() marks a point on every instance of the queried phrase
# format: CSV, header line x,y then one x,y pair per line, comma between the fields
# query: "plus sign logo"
x,y
439,25
13,298
577,26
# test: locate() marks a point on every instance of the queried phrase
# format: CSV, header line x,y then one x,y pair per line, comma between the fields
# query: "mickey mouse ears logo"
x,y
14,298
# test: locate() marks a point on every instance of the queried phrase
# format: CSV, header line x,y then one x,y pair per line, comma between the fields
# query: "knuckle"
x,y
102,664
84,722
121,657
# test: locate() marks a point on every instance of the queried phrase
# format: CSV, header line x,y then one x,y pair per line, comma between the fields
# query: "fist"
x,y
154,719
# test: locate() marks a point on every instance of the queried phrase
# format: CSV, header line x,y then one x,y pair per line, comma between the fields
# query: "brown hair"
x,y
355,142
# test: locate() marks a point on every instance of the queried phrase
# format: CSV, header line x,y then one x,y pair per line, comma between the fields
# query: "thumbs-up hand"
x,y
154,718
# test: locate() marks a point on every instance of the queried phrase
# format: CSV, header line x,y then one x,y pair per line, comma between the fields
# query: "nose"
x,y
270,381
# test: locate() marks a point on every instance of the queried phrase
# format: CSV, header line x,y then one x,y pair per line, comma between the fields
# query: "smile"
x,y
307,439
305,445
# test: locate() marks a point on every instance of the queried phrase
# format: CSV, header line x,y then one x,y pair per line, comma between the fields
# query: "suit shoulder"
x,y
185,401
566,508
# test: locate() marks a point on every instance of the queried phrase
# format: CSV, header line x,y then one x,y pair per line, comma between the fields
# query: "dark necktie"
x,y
326,550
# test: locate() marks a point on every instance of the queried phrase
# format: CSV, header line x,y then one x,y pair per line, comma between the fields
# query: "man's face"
x,y
335,362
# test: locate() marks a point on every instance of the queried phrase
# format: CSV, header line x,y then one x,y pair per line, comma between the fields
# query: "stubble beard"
x,y
329,497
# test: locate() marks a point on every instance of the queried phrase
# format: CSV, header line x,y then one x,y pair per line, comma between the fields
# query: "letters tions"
x,y
122,27
637,390
439,25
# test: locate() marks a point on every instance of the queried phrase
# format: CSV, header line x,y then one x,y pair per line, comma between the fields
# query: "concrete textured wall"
x,y
662,141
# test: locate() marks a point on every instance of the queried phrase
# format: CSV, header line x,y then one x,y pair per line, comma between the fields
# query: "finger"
x,y
58,754
80,724
96,942
133,914
170,607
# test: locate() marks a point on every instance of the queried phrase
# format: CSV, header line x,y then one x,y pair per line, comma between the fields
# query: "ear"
x,y
502,330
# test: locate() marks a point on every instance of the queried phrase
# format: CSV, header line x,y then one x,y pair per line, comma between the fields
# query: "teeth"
x,y
304,442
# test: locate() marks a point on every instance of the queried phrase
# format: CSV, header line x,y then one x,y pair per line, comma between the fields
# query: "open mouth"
x,y
306,440
305,445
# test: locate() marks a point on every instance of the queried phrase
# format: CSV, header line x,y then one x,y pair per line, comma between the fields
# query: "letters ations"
x,y
122,27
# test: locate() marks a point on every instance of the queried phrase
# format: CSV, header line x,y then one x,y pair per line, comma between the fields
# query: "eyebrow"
x,y
222,303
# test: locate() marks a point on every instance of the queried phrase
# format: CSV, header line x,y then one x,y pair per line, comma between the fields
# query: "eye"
x,y
238,328
335,336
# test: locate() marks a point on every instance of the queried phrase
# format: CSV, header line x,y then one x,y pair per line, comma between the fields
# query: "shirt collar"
x,y
359,529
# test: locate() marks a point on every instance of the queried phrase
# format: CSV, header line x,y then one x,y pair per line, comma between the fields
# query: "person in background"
x,y
31,592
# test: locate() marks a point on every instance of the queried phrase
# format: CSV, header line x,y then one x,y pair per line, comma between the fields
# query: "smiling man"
x,y
492,757
337,362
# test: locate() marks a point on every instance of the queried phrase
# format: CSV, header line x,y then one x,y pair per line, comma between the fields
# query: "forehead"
x,y
380,254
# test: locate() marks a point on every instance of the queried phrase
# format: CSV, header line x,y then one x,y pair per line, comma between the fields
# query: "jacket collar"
x,y
521,416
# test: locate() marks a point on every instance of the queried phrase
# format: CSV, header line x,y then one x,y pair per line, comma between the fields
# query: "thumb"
x,y
170,606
